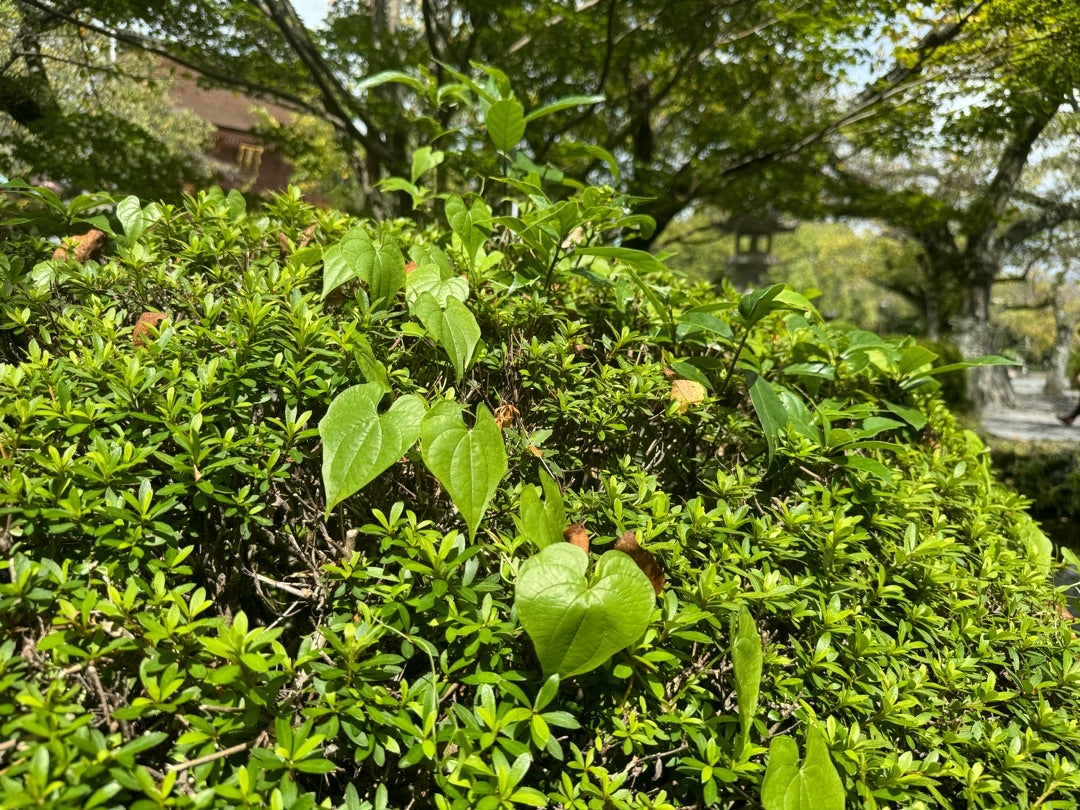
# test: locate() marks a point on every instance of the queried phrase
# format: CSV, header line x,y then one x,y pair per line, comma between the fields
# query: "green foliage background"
x,y
181,627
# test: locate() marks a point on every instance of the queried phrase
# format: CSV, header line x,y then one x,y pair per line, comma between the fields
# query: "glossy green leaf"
x,y
429,278
471,223
370,367
913,416
747,656
341,262
769,409
812,785
566,103
505,121
757,304
453,327
378,264
577,623
469,463
424,160
359,442
387,77
988,360
701,320
134,218
543,519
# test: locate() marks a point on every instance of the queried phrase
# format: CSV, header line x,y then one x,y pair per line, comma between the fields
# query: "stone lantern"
x,y
753,246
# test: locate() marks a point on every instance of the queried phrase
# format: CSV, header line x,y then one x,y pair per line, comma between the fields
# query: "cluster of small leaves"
x,y
190,620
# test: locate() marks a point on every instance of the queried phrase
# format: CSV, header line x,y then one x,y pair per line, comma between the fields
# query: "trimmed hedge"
x,y
184,626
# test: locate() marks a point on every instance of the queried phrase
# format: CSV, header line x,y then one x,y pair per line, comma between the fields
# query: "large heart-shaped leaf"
x,y
576,624
468,463
378,264
470,223
812,785
453,327
434,274
359,442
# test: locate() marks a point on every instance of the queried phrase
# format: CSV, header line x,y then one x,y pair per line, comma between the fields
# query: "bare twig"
x,y
176,767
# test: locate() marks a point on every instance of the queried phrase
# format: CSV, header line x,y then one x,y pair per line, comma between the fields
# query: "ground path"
x,y
1034,416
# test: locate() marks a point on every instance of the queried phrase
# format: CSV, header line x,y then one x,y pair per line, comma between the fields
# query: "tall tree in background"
x,y
734,104
948,158
78,112
695,91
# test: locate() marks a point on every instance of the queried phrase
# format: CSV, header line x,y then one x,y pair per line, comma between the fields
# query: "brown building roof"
x,y
226,109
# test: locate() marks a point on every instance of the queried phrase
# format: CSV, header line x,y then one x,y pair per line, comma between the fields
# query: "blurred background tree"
x,y
83,113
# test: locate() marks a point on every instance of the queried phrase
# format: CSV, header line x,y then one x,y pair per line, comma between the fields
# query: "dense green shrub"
x,y
184,626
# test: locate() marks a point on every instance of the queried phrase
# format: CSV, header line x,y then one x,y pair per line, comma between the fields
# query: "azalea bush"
x,y
303,511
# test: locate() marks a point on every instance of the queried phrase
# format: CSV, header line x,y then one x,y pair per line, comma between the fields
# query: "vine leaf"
x,y
453,327
576,624
747,656
359,442
813,785
542,520
380,265
430,277
468,463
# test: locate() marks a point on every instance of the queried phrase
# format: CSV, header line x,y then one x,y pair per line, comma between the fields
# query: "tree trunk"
x,y
986,385
1057,382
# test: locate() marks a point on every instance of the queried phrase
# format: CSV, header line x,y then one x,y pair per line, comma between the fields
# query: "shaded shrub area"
x,y
183,625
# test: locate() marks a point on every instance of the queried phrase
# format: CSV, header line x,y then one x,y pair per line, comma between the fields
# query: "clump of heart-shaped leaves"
x,y
576,621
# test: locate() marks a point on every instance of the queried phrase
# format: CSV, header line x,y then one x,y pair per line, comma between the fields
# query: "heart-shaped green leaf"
x,y
341,262
359,442
378,264
434,274
468,463
470,223
813,785
453,327
424,160
576,625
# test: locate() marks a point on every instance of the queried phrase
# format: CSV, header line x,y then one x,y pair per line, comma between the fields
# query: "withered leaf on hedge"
x,y
505,414
576,535
81,247
146,322
628,544
687,393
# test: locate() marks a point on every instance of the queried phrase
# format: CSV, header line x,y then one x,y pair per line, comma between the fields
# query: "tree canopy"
x,y
926,117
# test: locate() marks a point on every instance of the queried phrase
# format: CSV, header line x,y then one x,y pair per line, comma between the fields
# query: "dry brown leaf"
x,y
146,322
687,393
576,535
645,560
505,414
81,247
